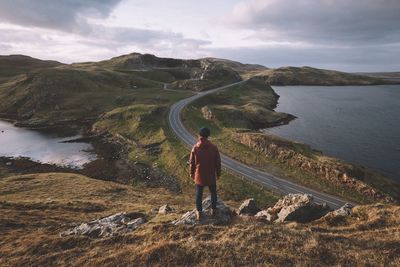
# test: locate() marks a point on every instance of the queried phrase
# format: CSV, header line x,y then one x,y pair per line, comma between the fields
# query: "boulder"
x,y
108,226
164,209
223,216
343,211
337,216
248,207
267,215
299,208
294,207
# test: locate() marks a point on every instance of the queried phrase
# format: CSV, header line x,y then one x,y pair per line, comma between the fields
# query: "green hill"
x,y
313,76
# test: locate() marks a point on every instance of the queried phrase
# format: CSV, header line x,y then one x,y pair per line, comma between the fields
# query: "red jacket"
x,y
205,163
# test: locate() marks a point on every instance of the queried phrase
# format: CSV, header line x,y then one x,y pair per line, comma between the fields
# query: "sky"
x,y
347,35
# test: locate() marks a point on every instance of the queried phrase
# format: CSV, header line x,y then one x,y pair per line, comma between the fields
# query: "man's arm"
x,y
192,162
218,163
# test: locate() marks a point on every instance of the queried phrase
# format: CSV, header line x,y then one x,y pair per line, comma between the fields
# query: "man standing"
x,y
205,169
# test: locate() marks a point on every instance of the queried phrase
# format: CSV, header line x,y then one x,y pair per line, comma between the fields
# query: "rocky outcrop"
x,y
343,211
164,209
295,207
219,72
295,155
109,226
267,215
299,208
337,216
248,207
223,216
207,113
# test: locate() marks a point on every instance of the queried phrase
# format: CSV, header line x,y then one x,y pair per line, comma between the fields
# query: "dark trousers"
x,y
199,196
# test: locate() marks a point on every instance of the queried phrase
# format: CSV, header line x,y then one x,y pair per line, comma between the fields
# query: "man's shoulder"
x,y
213,146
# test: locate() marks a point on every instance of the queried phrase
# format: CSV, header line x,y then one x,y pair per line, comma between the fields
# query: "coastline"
x,y
356,123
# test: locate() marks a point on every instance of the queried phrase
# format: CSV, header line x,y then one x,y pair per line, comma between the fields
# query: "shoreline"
x,y
387,173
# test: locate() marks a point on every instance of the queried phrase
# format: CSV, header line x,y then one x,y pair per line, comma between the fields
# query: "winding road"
x,y
275,184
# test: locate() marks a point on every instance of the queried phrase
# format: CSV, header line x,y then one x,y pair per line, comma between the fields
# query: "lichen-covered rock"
x,y
164,209
343,211
337,216
223,216
299,208
108,226
248,207
294,207
267,215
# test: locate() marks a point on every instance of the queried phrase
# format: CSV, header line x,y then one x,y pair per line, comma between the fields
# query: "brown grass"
x,y
36,208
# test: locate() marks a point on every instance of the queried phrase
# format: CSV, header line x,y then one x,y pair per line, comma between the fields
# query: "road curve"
x,y
276,184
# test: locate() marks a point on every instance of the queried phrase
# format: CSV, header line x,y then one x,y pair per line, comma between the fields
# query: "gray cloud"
x,y
74,17
325,21
66,15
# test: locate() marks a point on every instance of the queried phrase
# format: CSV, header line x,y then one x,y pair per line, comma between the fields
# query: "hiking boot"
x,y
199,215
214,212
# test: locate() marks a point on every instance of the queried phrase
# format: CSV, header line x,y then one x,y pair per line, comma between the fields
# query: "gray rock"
x,y
164,209
343,211
267,215
299,208
224,215
336,216
136,223
108,226
248,207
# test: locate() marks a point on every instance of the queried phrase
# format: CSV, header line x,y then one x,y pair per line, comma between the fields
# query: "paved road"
x,y
276,184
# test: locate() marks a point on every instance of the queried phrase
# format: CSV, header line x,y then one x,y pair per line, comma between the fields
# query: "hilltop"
x,y
314,76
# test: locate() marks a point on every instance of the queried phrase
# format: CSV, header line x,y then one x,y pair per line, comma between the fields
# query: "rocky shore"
x,y
298,155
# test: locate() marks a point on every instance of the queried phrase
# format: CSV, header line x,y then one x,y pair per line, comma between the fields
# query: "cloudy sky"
x,y
349,35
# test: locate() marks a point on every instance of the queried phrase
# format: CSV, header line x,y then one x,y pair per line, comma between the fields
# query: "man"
x,y
205,169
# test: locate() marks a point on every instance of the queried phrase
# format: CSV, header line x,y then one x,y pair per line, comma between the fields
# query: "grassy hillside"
x,y
62,94
35,208
313,76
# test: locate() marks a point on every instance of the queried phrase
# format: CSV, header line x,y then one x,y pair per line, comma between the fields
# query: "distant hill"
x,y
387,76
41,91
245,70
195,74
313,76
17,64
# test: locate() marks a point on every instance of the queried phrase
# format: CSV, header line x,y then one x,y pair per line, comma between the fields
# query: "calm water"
x,y
45,148
356,123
